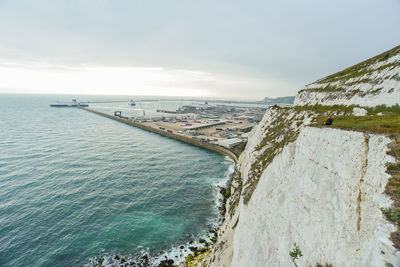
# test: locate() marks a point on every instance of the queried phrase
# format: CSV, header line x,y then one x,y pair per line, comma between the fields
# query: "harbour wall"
x,y
185,139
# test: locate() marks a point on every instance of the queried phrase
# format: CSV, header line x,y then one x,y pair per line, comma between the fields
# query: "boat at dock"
x,y
132,103
72,104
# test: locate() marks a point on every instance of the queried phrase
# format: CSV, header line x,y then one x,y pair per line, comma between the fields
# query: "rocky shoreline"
x,y
192,247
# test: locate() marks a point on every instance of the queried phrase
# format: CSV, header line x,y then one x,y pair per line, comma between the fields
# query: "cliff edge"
x,y
303,194
373,82
323,192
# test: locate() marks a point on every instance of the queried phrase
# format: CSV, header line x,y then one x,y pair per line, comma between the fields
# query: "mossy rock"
x,y
189,258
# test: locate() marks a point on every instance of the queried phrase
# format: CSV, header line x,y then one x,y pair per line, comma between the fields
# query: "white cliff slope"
x,y
321,188
375,81
323,191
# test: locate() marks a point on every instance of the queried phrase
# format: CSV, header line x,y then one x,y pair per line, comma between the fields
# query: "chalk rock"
x,y
359,112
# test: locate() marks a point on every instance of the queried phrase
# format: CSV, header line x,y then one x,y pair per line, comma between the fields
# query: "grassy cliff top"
x,y
362,67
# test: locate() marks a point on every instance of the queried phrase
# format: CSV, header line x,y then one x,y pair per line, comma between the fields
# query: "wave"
x,y
175,254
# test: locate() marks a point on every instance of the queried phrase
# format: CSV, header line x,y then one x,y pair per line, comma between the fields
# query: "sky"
x,y
208,48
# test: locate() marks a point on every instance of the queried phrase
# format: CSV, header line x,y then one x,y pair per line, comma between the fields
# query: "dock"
x,y
167,111
170,134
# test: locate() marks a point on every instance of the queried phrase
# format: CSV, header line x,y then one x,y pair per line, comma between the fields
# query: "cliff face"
x,y
321,188
323,192
373,82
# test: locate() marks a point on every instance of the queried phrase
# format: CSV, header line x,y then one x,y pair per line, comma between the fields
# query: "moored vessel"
x,y
72,104
132,103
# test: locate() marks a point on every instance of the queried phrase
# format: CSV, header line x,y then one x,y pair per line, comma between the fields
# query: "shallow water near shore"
x,y
75,186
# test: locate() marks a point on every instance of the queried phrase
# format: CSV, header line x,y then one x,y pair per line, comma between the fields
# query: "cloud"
x,y
268,48
42,77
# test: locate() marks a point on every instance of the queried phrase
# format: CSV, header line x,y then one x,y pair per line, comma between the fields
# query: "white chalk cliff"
x,y
321,188
375,81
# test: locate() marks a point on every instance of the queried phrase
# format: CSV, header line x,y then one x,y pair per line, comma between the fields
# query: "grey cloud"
x,y
294,42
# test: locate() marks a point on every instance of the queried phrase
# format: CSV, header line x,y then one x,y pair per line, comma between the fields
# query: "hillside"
x,y
372,82
304,194
279,100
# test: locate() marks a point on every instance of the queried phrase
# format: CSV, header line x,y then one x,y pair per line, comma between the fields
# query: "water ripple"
x,y
74,185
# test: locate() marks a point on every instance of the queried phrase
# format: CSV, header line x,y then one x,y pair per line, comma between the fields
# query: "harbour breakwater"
x,y
181,138
176,254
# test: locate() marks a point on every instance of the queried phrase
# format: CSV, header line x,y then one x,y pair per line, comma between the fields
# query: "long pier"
x,y
185,139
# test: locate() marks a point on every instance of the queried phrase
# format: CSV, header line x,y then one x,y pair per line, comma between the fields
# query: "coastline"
x,y
183,251
213,147
193,246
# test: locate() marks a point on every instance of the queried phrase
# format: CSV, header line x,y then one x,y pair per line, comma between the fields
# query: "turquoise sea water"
x,y
75,186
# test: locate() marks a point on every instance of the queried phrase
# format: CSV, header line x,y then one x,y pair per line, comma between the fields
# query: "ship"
x,y
132,103
72,104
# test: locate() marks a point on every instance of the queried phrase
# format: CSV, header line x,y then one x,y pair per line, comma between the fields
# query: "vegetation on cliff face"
x,y
327,110
285,127
388,124
340,110
238,149
236,188
363,68
198,260
371,78
282,129
393,189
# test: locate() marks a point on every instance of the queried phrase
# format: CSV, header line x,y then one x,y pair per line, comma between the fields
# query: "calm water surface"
x,y
74,186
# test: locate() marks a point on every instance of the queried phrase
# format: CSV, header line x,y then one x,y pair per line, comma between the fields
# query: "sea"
x,y
76,187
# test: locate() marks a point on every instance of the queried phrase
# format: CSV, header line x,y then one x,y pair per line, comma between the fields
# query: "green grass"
x,y
335,109
278,135
236,188
296,252
392,214
238,149
340,84
383,109
362,68
323,109
388,124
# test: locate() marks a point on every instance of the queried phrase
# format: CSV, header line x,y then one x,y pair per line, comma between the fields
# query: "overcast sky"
x,y
216,48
